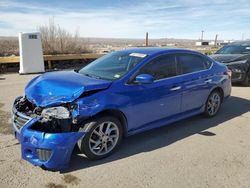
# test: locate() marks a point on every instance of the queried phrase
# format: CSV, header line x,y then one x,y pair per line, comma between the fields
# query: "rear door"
x,y
196,80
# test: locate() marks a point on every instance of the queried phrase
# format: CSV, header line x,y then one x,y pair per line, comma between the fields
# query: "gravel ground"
x,y
196,152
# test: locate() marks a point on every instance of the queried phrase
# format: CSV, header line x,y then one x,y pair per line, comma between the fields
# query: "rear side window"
x,y
192,63
161,67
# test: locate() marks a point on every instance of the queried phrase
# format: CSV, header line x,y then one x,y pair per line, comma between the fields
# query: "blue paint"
x,y
54,88
144,106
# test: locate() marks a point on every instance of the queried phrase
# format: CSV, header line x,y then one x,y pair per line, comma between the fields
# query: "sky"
x,y
182,19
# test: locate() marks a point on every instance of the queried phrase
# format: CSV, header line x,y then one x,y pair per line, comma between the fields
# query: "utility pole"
x,y
146,39
202,35
215,40
243,36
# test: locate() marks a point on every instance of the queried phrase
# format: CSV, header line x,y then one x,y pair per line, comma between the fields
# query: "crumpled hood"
x,y
55,88
226,58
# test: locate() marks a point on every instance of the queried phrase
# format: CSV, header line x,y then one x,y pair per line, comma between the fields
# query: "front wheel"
x,y
213,104
103,137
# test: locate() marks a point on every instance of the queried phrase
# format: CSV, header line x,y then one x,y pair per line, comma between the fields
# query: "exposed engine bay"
x,y
51,120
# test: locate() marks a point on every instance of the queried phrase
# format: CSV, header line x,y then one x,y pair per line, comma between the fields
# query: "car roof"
x,y
155,50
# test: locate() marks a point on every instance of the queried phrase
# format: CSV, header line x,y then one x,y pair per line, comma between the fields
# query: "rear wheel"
x,y
103,137
213,104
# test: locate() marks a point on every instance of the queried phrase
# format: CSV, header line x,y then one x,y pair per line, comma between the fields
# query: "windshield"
x,y
234,49
112,66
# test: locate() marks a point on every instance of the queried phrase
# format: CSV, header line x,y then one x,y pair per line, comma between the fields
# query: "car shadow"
x,y
164,136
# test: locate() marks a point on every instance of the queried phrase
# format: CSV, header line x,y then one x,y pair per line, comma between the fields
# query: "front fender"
x,y
89,106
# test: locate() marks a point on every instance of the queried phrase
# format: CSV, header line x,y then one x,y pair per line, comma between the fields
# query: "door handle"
x,y
207,81
175,88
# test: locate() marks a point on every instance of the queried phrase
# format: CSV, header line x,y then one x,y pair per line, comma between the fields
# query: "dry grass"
x,y
56,40
9,46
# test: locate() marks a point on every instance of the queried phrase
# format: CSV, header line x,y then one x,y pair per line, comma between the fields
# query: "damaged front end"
x,y
47,135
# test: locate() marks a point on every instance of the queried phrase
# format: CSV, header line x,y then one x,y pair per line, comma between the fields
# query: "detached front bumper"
x,y
49,150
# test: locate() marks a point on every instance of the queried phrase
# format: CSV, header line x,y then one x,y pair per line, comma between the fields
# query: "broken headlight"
x,y
55,112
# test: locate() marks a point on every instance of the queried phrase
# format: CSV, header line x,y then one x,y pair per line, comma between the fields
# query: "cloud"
x,y
179,18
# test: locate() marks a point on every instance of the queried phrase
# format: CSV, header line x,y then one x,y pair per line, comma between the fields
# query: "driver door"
x,y
156,101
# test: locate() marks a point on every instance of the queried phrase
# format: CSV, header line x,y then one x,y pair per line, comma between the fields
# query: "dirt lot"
x,y
196,152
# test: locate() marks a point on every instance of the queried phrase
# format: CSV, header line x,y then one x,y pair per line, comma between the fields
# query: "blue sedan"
x,y
120,94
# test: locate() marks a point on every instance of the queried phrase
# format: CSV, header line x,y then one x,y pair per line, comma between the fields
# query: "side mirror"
x,y
144,79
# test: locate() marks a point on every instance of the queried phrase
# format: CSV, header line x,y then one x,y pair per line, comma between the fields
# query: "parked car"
x,y
117,95
237,58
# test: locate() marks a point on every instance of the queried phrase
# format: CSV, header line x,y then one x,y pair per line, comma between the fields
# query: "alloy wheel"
x,y
213,103
104,138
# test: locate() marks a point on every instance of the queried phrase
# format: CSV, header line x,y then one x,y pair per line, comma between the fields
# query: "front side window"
x,y
192,63
161,67
112,66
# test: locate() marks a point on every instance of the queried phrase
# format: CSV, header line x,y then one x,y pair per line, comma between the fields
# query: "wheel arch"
x,y
118,114
220,90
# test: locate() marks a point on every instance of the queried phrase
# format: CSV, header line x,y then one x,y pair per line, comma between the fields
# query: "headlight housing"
x,y
59,112
238,62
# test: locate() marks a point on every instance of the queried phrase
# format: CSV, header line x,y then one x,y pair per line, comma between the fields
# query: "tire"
x,y
213,104
246,81
102,139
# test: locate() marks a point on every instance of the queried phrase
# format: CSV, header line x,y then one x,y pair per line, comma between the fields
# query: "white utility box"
x,y
31,54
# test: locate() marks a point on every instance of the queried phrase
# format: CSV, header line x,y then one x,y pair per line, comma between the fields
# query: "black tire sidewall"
x,y
84,144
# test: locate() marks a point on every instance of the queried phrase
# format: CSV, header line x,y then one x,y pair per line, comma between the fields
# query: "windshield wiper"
x,y
92,76
76,70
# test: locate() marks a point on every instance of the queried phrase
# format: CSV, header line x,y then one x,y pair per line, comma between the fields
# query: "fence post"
x,y
49,64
